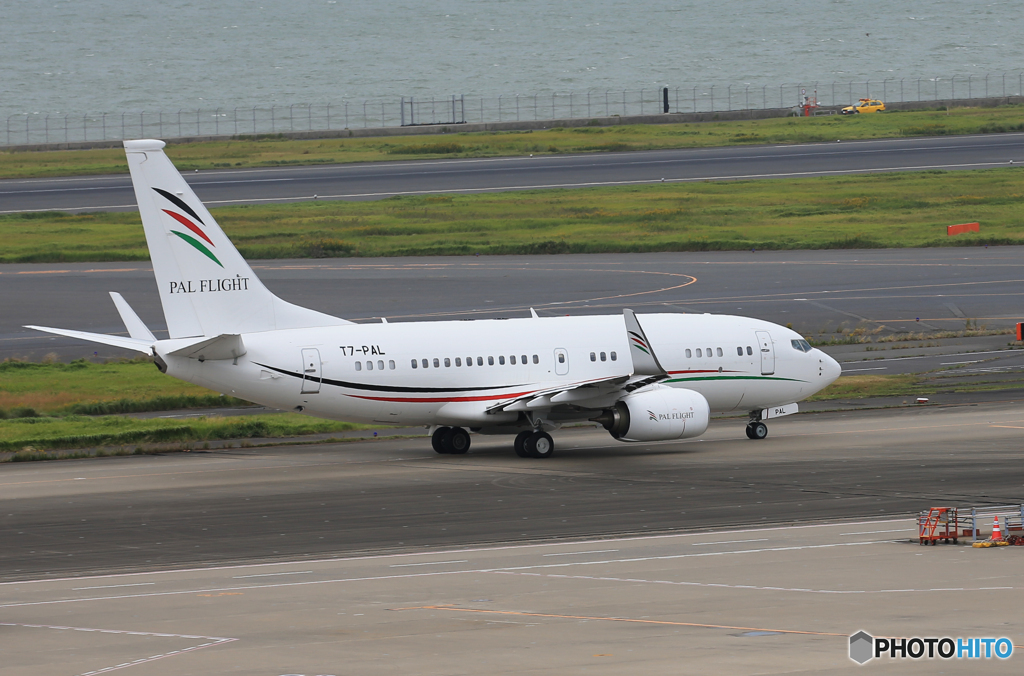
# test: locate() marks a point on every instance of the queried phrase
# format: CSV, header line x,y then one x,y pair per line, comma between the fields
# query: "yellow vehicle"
x,y
864,106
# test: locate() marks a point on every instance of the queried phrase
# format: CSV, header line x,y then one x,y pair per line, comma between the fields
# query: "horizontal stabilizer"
x,y
136,329
144,346
225,346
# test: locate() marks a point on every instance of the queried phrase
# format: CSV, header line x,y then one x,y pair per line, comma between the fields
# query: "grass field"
x,y
266,152
82,387
46,433
886,210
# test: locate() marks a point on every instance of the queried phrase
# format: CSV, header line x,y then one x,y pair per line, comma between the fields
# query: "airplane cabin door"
x,y
561,361
764,342
310,370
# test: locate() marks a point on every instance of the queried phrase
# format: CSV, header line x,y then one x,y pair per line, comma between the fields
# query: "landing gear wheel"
x,y
520,444
540,445
456,441
757,430
437,439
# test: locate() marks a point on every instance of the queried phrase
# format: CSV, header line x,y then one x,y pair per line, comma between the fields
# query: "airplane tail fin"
x,y
206,287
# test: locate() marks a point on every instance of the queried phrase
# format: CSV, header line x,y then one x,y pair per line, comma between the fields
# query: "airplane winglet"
x,y
645,362
136,328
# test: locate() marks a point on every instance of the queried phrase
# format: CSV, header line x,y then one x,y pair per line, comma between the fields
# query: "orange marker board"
x,y
962,228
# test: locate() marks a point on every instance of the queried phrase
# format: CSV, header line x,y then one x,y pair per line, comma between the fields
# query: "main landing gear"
x,y
450,440
534,444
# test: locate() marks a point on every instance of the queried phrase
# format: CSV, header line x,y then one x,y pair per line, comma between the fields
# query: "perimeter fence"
x,y
33,128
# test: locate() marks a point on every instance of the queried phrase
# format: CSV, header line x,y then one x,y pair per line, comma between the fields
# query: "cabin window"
x,y
512,360
469,361
425,363
414,364
458,361
359,366
479,361
699,353
437,363
447,362
708,351
391,364
688,353
739,351
749,351
614,356
593,357
380,364
536,359
490,361
501,359
369,366
720,354
524,359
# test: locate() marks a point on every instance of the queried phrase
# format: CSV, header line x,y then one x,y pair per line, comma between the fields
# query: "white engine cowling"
x,y
658,413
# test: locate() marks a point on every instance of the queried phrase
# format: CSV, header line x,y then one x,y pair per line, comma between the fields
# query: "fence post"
x,y
695,98
901,89
329,115
535,114
712,98
570,104
122,125
728,91
160,122
179,122
234,116
517,107
46,129
607,110
85,128
291,117
969,86
198,129
9,128
273,121
382,113
216,122
346,114
746,98
499,107
66,127
552,105
142,124
764,97
588,103
952,90
641,101
677,99
254,120
366,122
986,85
851,93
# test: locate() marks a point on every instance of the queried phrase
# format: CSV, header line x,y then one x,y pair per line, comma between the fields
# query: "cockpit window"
x,y
801,345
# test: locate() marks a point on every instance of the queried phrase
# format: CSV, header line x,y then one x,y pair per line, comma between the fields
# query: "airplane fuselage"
x,y
450,372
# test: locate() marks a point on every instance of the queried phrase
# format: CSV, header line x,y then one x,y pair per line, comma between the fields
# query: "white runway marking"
x,y
112,586
872,532
211,641
297,572
427,563
594,551
727,542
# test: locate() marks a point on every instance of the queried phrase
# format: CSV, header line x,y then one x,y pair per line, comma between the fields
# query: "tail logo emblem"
x,y
638,342
190,225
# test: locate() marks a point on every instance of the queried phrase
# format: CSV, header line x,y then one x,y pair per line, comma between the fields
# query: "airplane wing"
x,y
586,393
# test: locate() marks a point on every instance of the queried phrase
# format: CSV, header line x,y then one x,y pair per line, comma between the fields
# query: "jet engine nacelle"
x,y
659,413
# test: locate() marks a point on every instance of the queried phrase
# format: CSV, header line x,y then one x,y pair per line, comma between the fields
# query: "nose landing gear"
x,y
757,430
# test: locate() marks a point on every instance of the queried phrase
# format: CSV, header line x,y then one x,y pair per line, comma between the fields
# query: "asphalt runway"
x,y
903,290
384,179
396,495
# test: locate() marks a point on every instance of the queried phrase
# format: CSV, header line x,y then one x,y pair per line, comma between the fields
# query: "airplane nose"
x,y
830,368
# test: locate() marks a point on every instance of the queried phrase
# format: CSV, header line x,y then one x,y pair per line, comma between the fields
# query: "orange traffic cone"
x,y
997,534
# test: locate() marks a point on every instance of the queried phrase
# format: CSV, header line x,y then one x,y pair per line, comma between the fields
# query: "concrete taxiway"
x,y
744,601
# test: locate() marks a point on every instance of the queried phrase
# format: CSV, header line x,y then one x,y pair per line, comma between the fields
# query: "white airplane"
x,y
649,377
